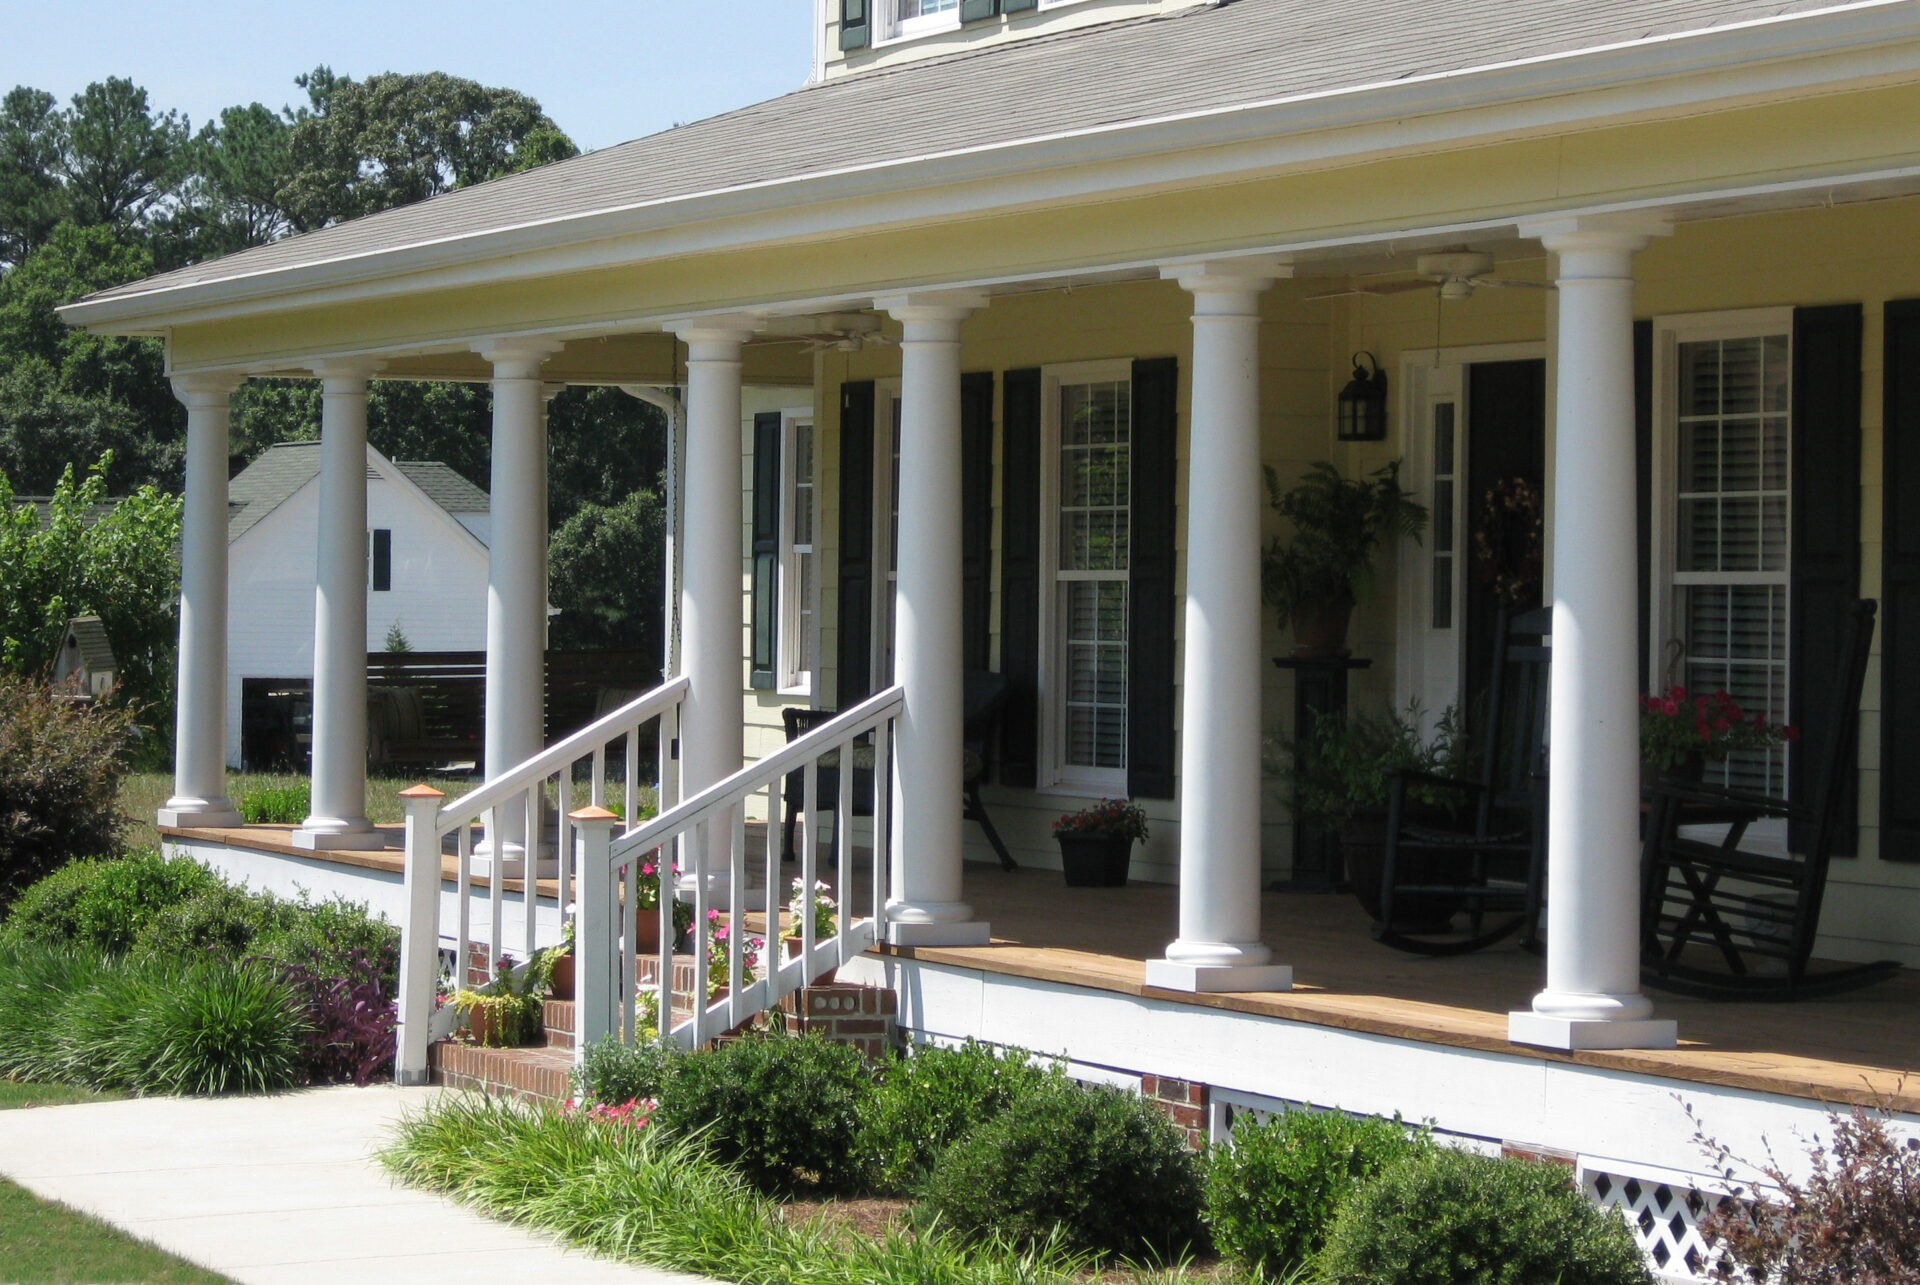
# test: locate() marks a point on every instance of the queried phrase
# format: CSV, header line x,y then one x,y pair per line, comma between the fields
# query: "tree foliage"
x,y
119,158
606,569
31,199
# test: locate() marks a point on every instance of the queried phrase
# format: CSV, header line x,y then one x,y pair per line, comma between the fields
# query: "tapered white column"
x,y
339,808
926,908
200,738
1219,947
713,567
1592,998
516,570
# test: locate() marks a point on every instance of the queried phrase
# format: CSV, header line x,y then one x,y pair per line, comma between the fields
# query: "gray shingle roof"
x,y
1190,61
277,474
90,632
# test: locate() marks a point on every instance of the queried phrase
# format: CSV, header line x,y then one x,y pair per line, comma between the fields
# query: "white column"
x,y
516,569
200,748
1219,946
713,565
339,815
1592,998
926,907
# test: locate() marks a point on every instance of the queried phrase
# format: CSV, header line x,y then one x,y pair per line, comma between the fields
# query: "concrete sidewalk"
x,y
277,1190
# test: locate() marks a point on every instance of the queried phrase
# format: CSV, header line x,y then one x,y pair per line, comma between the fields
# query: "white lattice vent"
x,y
1664,1217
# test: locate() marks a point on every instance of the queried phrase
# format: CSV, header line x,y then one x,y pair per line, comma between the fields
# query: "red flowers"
x,y
1677,725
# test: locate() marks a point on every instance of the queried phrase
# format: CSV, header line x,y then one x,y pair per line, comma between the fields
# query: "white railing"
x,y
511,805
706,836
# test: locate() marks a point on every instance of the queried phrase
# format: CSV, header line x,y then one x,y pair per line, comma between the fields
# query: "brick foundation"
x,y
863,1016
1181,1101
1528,1151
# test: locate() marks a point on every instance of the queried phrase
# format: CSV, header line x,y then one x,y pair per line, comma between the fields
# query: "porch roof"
x,y
1199,62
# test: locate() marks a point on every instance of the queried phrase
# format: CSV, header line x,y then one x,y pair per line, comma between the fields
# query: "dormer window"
x,y
864,22
922,17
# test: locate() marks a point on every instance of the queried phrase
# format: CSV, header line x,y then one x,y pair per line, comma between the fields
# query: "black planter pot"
x,y
1094,860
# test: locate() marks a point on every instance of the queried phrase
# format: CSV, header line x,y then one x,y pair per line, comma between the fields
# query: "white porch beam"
x,y
712,743
1592,998
199,756
339,802
516,568
1219,946
926,908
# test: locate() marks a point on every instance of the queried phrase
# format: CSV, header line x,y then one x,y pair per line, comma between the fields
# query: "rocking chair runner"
x,y
1756,913
1489,857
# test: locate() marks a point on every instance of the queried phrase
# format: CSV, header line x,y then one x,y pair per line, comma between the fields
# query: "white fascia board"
x,y
1765,59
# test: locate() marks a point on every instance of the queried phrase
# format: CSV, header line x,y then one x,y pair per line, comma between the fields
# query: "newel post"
x,y
593,944
419,934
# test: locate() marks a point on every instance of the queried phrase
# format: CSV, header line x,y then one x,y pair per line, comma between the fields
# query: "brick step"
x,y
534,1073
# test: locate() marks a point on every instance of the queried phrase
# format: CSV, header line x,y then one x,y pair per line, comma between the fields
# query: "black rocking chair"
x,y
1755,914
826,778
1487,860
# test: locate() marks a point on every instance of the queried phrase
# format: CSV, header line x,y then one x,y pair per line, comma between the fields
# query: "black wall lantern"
x,y
1363,402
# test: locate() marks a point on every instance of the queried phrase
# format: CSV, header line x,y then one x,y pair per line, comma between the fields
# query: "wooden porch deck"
x,y
1857,1048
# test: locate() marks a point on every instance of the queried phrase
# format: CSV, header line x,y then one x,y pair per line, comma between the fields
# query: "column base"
x,y
352,839
965,932
214,814
1178,975
1571,1033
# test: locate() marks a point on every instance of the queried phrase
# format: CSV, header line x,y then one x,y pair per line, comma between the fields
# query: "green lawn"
x,y
45,1243
13,1094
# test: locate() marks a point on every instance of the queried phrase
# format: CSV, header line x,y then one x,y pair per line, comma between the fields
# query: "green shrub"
x,y
36,983
1273,1194
926,1101
278,804
101,906
217,1028
60,767
782,1110
1447,1217
93,1037
613,1072
221,919
1098,1167
323,936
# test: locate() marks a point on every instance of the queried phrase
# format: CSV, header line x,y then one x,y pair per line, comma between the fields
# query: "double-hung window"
x,y
1722,620
1087,476
799,568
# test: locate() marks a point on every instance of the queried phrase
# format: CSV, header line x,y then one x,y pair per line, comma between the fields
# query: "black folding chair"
x,y
1723,921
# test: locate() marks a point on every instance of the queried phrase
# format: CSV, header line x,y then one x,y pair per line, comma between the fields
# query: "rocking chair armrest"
x,y
1398,778
1697,792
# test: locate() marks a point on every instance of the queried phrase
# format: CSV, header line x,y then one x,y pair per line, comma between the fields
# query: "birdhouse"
x,y
85,664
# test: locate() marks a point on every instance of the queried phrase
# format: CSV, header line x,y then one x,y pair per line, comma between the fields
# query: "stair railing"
x,y
703,836
520,793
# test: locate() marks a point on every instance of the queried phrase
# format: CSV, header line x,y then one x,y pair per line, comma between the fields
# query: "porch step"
x,y
535,1073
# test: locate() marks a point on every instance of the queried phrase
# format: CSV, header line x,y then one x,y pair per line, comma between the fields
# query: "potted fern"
x,y
1314,578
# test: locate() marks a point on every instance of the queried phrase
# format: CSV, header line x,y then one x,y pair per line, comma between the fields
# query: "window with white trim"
x,y
799,579
1722,613
1086,478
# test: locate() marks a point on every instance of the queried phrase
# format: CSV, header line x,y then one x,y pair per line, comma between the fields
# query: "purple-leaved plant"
x,y
352,1021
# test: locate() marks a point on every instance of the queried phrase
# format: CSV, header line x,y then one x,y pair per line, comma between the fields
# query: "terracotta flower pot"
x,y
561,981
1321,634
1094,860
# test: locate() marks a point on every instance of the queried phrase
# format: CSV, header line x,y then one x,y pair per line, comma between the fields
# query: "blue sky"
x,y
605,71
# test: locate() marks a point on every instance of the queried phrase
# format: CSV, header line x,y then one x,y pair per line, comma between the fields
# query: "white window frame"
x,y
799,612
1669,333
1055,774
891,27
886,570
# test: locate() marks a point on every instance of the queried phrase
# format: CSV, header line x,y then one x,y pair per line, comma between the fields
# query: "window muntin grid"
x,y
1091,562
798,578
1733,399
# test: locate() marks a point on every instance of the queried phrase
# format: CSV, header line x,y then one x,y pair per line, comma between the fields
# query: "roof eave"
x,y
1883,38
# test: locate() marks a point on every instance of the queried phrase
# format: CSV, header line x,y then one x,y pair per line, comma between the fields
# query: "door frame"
x,y
1429,663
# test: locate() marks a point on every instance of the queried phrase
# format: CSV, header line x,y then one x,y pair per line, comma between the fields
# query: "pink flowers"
x,y
1114,818
719,933
631,1114
1677,726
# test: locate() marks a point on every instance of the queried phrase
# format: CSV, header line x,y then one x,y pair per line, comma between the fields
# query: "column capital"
x,y
1605,233
339,373
206,389
517,356
1218,276
720,330
949,306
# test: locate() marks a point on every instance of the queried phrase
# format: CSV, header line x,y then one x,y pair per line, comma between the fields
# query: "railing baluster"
x,y
843,877
809,864
628,978
882,823
702,930
599,776
630,788
737,977
663,925
496,889
563,853
776,965
530,866
463,900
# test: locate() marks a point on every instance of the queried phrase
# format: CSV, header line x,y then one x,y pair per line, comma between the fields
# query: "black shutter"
x,y
1150,600
974,10
1825,556
766,546
1900,588
1020,578
1643,488
382,560
856,24
854,654
976,517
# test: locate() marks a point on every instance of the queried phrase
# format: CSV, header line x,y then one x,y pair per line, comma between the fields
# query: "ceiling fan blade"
x,y
1511,285
1378,288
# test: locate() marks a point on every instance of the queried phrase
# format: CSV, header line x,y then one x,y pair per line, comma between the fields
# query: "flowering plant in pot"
x,y
825,908
1314,578
1096,843
647,902
558,960
1681,733
719,933
505,1011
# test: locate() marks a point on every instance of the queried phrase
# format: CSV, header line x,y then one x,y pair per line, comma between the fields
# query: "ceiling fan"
x,y
829,331
1456,273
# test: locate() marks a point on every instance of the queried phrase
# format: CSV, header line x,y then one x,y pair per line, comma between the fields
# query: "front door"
x,y
1506,443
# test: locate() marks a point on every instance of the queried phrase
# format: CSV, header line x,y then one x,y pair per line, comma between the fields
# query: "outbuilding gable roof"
x,y
1193,61
278,473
